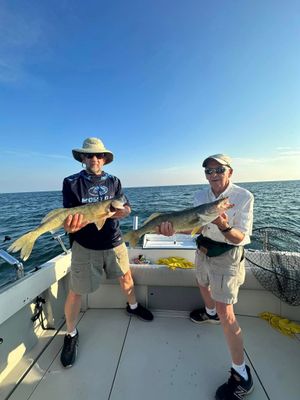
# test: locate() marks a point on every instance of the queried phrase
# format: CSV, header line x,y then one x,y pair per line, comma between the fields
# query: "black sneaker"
x,y
69,350
236,388
141,312
200,316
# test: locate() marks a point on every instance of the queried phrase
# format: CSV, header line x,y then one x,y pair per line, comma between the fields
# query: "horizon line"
x,y
152,186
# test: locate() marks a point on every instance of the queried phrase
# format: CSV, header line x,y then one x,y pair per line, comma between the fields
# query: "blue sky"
x,y
163,83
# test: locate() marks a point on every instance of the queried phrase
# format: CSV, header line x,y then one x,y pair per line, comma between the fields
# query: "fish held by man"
x,y
192,218
96,213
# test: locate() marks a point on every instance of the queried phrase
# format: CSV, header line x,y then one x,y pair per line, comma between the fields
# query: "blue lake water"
x,y
276,204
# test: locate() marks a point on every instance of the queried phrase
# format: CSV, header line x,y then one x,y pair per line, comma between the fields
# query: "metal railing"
x,y
19,268
13,261
60,241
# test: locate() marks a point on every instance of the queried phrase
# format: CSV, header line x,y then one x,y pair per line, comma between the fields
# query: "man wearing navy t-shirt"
x,y
93,250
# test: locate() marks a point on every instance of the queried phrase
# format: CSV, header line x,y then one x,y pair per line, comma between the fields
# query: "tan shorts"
x,y
88,266
223,274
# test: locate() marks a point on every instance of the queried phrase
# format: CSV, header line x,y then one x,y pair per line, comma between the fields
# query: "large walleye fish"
x,y
96,213
191,218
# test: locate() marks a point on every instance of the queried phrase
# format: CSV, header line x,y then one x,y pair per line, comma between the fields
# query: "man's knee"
x,y
225,313
73,297
126,281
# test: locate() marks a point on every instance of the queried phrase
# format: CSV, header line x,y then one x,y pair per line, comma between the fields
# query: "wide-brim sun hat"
x,y
93,146
222,159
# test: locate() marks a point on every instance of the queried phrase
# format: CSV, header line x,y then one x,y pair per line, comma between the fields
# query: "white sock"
x,y
211,311
73,333
133,306
241,369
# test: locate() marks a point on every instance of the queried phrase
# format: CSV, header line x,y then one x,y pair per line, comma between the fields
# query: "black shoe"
x,y
199,316
69,350
236,388
141,312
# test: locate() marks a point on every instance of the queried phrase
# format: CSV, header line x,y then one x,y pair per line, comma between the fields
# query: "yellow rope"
x,y
176,262
282,324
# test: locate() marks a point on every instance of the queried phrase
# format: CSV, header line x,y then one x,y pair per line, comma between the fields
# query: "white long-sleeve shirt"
x,y
240,216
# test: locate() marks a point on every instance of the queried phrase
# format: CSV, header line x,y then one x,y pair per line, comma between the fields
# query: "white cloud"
x,y
170,169
283,165
290,153
284,148
282,154
246,161
30,154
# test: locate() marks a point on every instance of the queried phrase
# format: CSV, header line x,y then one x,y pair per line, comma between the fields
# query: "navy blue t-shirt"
x,y
83,188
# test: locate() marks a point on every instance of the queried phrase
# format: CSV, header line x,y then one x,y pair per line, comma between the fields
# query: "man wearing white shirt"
x,y
220,266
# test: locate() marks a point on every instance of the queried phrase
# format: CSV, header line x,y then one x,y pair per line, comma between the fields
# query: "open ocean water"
x,y
276,204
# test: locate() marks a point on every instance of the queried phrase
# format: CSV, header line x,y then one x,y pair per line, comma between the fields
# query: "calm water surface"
x,y
276,204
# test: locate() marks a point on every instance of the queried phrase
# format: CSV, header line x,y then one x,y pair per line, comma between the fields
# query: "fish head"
x,y
117,203
107,208
223,205
210,211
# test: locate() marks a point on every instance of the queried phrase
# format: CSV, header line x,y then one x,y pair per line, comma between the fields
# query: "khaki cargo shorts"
x,y
223,274
88,266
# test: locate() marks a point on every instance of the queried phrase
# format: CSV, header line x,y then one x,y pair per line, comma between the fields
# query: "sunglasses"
x,y
218,170
98,155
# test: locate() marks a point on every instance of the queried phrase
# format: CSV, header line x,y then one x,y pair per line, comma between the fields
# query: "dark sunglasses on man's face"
x,y
218,170
98,155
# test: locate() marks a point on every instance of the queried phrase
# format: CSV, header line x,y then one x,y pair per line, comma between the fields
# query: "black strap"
x,y
212,248
209,243
38,313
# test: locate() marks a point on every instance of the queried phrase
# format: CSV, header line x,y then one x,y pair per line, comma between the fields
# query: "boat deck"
x,y
123,358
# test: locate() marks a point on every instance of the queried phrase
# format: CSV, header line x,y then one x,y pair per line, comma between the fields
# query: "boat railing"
x,y
19,267
135,223
60,241
13,261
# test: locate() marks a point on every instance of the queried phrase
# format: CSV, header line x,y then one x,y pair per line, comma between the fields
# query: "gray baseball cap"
x,y
222,159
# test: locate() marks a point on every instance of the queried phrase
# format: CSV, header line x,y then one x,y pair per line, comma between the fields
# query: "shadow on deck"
x,y
122,358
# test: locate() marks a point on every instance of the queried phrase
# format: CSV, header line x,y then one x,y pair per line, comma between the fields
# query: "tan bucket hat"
x,y
222,159
93,146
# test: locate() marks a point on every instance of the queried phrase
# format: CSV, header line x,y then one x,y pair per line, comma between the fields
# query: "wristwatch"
x,y
227,229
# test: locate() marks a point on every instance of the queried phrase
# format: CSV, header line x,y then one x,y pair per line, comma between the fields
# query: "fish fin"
x,y
152,216
195,230
132,238
99,224
25,243
51,214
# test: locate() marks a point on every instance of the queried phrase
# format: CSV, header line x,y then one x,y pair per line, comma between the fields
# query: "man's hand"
x,y
221,221
165,228
122,213
74,223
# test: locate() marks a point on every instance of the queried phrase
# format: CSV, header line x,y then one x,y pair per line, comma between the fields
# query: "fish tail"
x,y
132,237
25,243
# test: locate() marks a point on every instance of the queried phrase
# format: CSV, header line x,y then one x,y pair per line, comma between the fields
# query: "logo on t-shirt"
x,y
98,191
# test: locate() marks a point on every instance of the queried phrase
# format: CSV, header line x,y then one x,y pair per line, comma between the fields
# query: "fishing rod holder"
x,y
135,223
60,241
13,261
